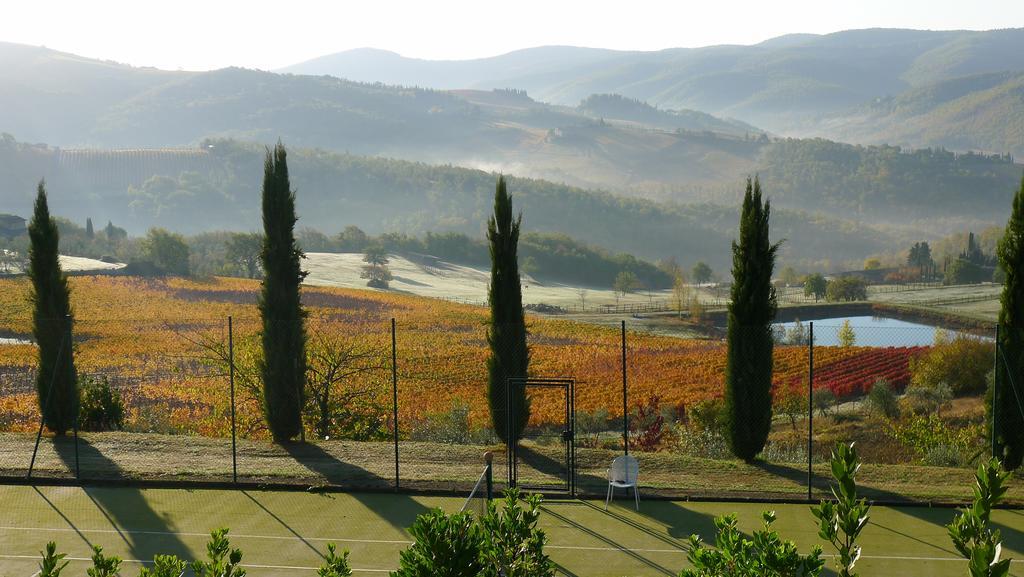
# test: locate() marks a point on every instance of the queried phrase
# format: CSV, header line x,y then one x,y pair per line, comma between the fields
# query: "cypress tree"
x,y
89,232
748,369
283,367
506,336
57,380
1009,371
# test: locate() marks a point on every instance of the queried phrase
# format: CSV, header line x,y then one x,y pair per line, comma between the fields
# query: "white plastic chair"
x,y
623,473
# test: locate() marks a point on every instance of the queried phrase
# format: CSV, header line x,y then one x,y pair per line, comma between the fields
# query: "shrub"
x,y
969,530
103,566
445,546
961,362
709,415
335,565
222,560
737,556
703,443
924,400
451,426
882,400
589,426
102,408
647,425
924,434
164,566
792,402
513,545
841,522
824,401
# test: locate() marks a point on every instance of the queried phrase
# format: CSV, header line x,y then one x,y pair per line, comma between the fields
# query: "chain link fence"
x,y
404,404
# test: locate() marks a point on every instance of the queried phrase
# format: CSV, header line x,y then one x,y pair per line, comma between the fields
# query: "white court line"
x,y
244,565
387,542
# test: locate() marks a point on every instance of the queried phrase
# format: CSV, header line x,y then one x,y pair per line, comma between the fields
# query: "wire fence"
x,y
405,404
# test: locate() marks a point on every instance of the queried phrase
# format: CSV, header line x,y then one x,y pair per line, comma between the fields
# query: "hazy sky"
x,y
205,34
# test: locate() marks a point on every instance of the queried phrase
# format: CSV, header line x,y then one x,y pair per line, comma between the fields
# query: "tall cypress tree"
x,y
57,380
748,369
1009,373
506,337
284,330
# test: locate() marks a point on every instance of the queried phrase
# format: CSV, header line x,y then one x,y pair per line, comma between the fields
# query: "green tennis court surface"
x,y
284,533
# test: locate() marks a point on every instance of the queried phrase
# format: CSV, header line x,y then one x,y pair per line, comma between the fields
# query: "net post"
x,y
46,403
489,459
810,409
231,381
625,411
78,469
394,395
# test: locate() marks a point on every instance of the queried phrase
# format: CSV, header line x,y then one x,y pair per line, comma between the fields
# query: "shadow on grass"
x,y
145,531
398,509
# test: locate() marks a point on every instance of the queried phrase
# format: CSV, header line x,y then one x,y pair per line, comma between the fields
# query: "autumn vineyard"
x,y
157,341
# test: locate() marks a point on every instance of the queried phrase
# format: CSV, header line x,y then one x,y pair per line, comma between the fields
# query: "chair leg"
x,y
608,496
636,495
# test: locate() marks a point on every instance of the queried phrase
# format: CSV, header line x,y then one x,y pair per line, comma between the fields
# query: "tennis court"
x,y
284,533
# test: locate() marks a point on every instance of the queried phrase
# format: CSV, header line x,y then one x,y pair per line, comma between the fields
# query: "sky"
x,y
210,34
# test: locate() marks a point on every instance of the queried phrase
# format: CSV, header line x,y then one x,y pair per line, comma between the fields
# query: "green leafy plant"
x,y
102,408
53,562
164,566
335,565
969,530
445,546
222,560
103,566
736,556
840,522
513,545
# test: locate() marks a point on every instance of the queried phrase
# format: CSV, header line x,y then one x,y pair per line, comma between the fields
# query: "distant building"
x,y
11,226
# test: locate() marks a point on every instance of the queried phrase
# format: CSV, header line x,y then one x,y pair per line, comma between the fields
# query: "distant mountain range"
x,y
659,133
861,85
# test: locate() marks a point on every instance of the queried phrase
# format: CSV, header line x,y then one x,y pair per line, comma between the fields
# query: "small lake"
x,y
871,332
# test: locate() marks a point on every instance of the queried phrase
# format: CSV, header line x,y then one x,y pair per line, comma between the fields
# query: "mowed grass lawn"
x,y
285,533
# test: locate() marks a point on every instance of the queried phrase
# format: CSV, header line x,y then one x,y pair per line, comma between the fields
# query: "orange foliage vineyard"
x,y
157,342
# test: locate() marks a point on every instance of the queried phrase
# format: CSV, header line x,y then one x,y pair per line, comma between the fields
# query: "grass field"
x,y
285,533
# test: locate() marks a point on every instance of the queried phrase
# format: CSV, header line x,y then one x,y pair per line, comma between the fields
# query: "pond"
x,y
870,331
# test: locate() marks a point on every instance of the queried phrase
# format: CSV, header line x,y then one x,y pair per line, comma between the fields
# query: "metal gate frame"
x,y
569,436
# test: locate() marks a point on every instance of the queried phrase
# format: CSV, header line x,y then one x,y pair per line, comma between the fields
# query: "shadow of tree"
x,y
145,531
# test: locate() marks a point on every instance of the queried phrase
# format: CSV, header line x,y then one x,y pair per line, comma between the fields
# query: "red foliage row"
x,y
855,375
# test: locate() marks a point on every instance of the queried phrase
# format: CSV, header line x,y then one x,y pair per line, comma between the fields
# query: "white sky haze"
x,y
208,34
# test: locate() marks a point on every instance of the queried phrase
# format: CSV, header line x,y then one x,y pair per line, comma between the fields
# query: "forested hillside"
x,y
217,187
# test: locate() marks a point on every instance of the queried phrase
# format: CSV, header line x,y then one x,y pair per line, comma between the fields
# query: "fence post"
x,y
810,410
625,410
78,469
231,381
394,396
995,397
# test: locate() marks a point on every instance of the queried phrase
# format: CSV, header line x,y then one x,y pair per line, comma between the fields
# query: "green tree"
x,y
847,288
89,232
1009,424
283,366
243,249
963,271
815,285
752,307
376,269
701,273
56,379
168,251
625,283
846,336
506,336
